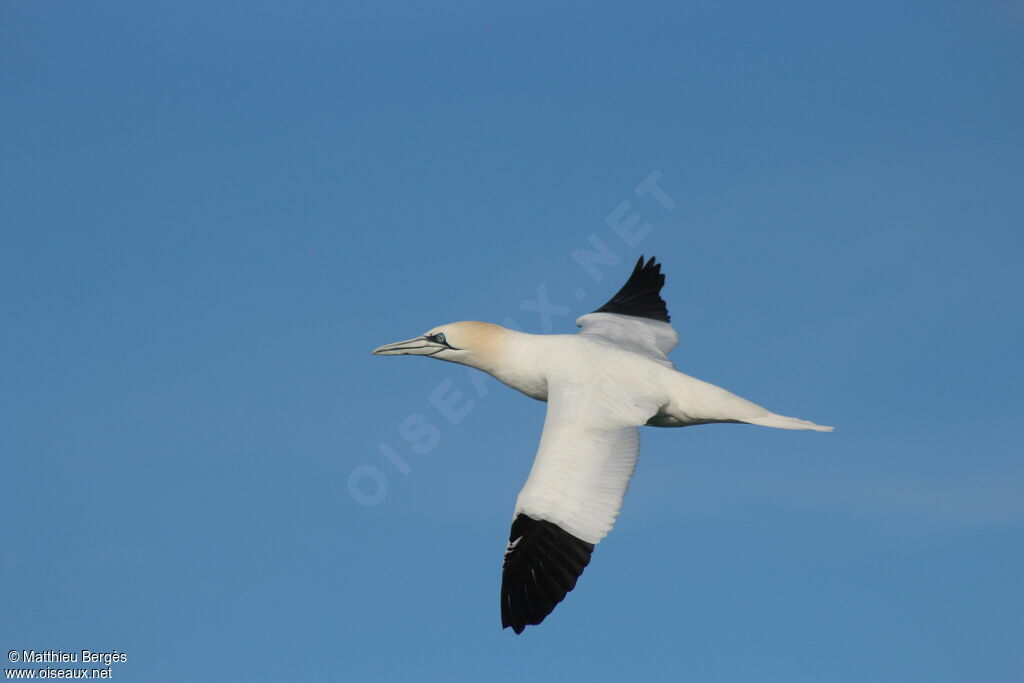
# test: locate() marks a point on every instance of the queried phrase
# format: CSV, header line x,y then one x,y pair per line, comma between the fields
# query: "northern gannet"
x,y
600,385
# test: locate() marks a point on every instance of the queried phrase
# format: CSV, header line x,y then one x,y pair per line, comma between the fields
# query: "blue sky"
x,y
212,212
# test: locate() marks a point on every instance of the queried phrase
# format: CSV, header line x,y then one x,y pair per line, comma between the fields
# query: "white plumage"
x,y
601,385
587,454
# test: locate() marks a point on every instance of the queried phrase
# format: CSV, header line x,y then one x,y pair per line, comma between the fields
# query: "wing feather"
x,y
645,336
587,455
636,317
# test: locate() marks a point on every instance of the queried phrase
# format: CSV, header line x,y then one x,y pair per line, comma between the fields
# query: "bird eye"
x,y
439,338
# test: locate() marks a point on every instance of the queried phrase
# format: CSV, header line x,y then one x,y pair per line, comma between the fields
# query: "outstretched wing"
x,y
587,455
636,316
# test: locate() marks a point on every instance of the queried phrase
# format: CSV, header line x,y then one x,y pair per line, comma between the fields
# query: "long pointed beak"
x,y
417,346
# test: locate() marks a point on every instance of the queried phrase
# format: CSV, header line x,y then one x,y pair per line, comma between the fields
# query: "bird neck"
x,y
517,361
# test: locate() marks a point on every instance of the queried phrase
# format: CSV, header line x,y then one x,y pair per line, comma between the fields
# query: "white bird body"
x,y
601,385
529,363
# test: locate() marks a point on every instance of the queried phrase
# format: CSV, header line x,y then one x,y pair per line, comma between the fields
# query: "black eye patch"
x,y
439,338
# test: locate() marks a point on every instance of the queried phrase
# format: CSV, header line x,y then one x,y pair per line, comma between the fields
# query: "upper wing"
x,y
587,454
648,337
636,316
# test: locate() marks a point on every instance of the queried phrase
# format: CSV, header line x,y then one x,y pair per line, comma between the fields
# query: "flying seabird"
x,y
600,385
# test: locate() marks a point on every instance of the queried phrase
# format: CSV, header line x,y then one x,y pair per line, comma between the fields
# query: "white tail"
x,y
783,422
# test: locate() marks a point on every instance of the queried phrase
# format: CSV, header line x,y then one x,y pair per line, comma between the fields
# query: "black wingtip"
x,y
542,564
641,295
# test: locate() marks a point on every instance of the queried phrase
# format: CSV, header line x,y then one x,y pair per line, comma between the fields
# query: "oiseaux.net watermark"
x,y
368,483
47,664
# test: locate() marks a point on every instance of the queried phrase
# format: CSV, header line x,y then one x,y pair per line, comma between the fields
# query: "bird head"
x,y
469,343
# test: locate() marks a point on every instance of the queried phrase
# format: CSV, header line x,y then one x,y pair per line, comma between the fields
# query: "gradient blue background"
x,y
212,212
